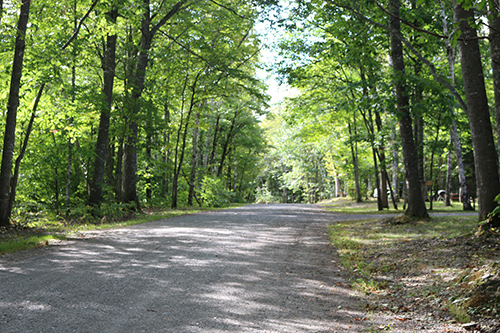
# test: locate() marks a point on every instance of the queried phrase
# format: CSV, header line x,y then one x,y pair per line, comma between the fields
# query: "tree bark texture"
x,y
13,103
494,37
454,136
22,152
354,154
384,181
129,189
230,134
119,170
177,167
395,166
108,65
129,185
462,181
449,170
485,155
416,204
195,160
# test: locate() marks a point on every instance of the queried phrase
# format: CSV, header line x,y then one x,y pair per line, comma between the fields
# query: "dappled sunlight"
x,y
273,271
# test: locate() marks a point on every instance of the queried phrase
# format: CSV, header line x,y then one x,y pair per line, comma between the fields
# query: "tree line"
x,y
394,95
137,102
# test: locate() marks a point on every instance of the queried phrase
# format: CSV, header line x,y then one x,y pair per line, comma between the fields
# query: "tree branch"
x,y
229,9
77,30
175,9
173,39
410,47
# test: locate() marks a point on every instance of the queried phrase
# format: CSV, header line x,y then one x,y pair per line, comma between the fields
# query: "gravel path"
x,y
259,268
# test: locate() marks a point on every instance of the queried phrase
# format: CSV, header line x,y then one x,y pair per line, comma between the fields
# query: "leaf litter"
x,y
425,271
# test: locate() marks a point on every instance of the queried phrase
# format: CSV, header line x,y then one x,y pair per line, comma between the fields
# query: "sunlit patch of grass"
x,y
440,261
347,205
357,241
368,286
22,243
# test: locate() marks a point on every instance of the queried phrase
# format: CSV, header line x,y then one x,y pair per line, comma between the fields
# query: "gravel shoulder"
x,y
259,268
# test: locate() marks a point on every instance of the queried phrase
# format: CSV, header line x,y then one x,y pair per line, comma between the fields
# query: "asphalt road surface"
x,y
259,268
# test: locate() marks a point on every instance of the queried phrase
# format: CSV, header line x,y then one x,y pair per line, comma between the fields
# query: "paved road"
x,y
252,269
259,268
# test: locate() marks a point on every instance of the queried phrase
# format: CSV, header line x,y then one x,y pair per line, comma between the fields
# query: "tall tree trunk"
x,y
69,168
71,120
485,155
17,165
395,165
108,63
175,176
166,145
109,165
418,124
178,166
214,141
416,204
384,181
354,154
462,181
119,170
449,170
494,37
370,127
431,166
137,83
225,145
129,184
56,177
10,122
454,136
195,160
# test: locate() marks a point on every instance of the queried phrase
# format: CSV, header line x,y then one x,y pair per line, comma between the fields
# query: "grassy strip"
x,y
358,241
438,265
22,242
346,205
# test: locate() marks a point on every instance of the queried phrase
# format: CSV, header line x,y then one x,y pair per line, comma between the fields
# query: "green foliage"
x,y
264,196
209,69
213,192
496,211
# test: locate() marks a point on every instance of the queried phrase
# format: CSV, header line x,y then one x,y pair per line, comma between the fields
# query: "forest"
x,y
400,98
117,105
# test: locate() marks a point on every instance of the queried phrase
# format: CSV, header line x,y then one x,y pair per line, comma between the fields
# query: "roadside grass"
x,y
44,229
347,205
21,242
438,266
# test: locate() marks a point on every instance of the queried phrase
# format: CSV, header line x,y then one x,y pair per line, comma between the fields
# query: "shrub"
x,y
213,193
263,195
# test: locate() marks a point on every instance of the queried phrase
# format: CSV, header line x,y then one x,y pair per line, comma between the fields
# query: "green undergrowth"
x,y
346,205
40,228
438,265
